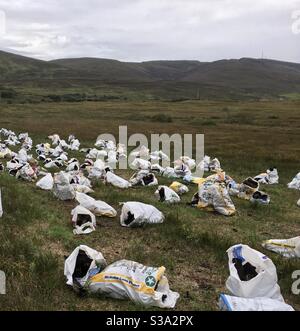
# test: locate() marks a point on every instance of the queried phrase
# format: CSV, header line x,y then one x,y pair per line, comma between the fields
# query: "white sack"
x,y
138,213
82,188
143,285
179,188
215,195
209,165
70,262
143,177
268,177
116,181
170,172
167,195
264,284
97,207
46,183
87,226
141,164
295,183
62,188
230,303
191,163
286,247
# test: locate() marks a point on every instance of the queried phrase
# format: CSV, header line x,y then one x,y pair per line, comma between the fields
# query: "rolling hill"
x,y
243,77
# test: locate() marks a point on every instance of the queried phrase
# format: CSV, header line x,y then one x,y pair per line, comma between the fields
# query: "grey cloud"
x,y
136,30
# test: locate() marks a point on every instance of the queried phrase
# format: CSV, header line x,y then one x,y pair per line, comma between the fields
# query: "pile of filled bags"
x,y
253,278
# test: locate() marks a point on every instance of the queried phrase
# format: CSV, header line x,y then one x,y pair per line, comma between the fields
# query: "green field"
x,y
247,137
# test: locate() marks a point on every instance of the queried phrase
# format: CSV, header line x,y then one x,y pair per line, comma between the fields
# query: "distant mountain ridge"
x,y
252,75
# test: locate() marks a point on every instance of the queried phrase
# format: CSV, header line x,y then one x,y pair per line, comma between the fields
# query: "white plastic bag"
x,y
143,177
97,207
273,176
75,145
143,153
167,195
46,183
268,177
62,188
264,284
182,169
97,258
82,188
141,164
245,190
260,198
49,164
191,163
86,269
144,285
138,213
209,165
179,188
27,173
286,247
83,220
158,169
214,196
116,181
170,172
230,303
295,183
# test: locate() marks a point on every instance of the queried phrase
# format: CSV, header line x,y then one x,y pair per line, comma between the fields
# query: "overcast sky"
x,y
138,30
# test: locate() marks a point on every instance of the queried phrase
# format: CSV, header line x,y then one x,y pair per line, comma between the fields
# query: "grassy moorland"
x,y
247,137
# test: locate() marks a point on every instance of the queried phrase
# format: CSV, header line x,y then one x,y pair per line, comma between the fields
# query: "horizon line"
x,y
154,60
